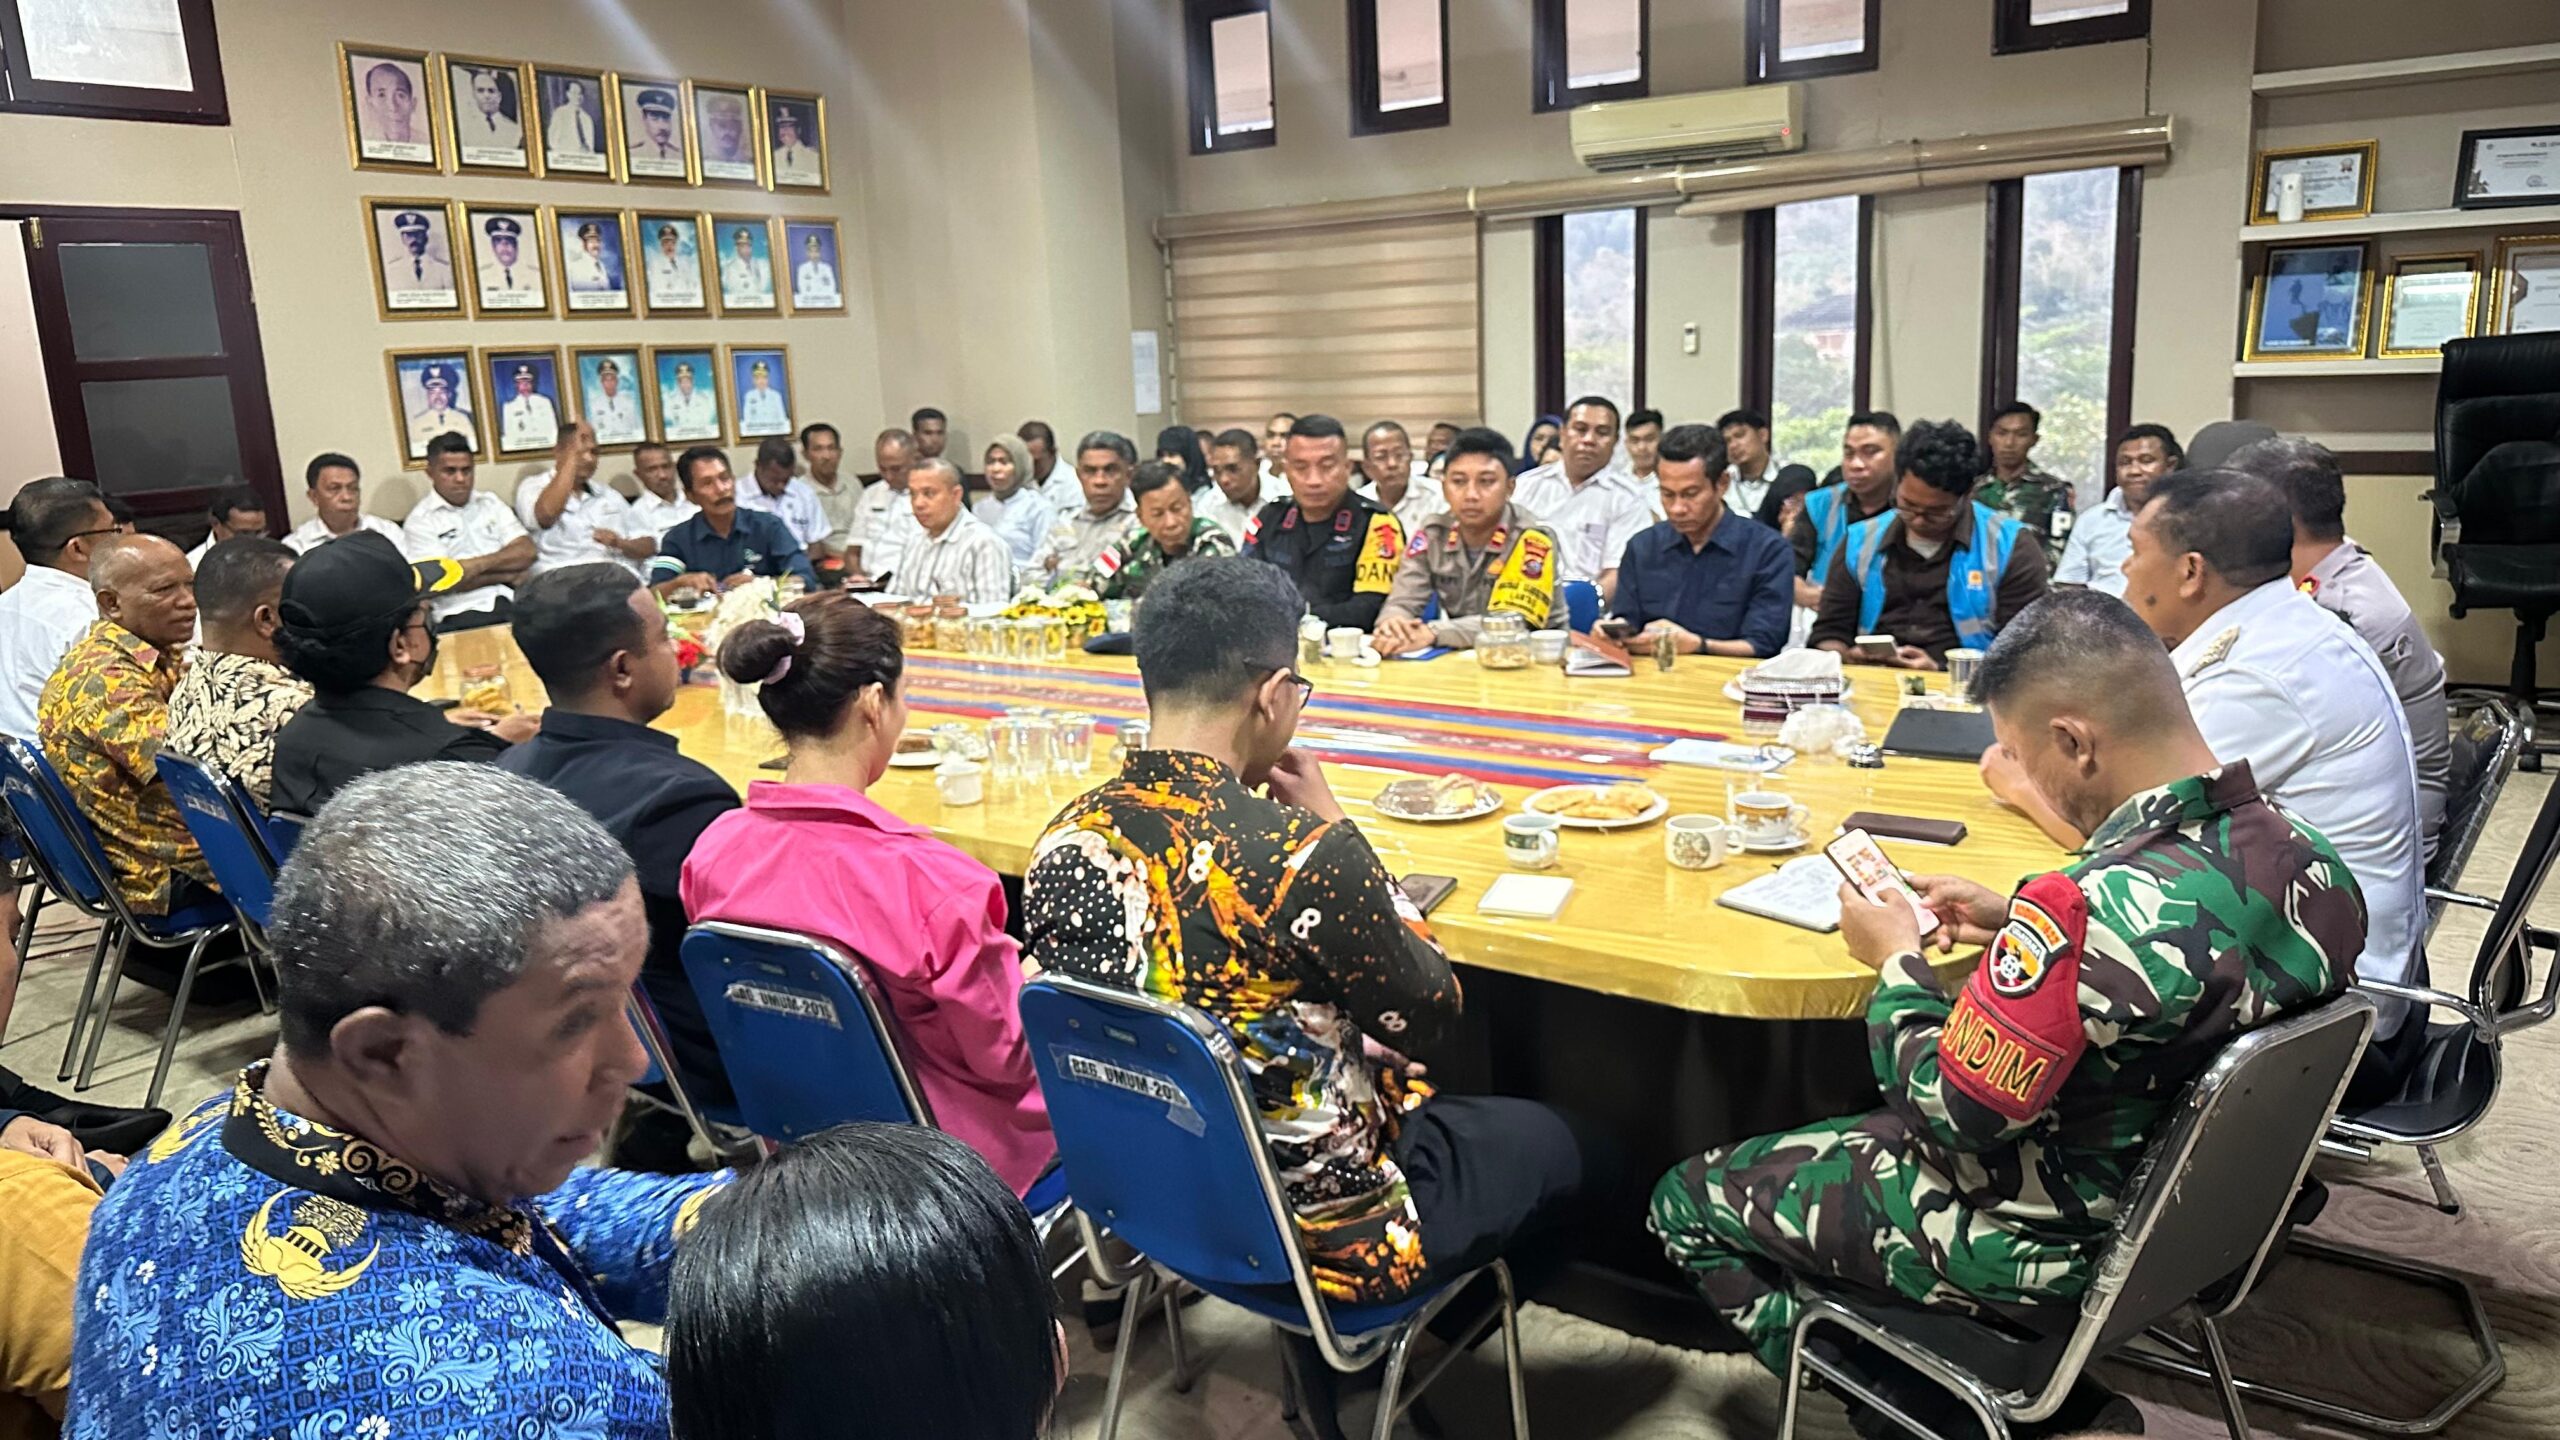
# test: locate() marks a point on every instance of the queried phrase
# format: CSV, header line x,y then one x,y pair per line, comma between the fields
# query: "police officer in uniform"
x,y
1342,549
507,279
1990,1178
439,381
1479,554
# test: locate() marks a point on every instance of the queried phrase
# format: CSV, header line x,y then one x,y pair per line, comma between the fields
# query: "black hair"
x,y
844,646
1318,427
2148,431
1151,476
119,509
1756,419
1111,440
814,426
47,513
1943,454
1183,441
569,429
2035,417
569,621
1038,430
238,574
1884,420
1397,426
924,413
2086,641
328,460
2240,524
647,445
1239,439
2309,476
881,1272
699,453
1601,402
450,442
1684,443
1209,630
776,450
1482,440
341,655
232,500
1643,417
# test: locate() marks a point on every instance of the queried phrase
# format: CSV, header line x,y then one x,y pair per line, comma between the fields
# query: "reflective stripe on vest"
x,y
1824,510
1973,574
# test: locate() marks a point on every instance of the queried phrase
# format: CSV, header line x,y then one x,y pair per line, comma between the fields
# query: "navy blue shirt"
x,y
1740,585
757,544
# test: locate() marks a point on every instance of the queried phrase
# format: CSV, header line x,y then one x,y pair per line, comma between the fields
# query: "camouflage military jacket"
x,y
1127,566
2198,911
2039,501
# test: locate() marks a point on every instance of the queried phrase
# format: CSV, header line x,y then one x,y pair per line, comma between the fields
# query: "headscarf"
x,y
1527,459
1020,454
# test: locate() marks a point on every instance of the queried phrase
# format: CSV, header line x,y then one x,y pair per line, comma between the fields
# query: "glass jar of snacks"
x,y
1503,642
951,626
915,628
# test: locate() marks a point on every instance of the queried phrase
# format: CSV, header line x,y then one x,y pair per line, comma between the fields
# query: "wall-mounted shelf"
x,y
2332,369
2415,70
2405,222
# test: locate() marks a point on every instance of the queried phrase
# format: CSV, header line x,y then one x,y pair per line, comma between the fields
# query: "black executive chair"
x,y
2497,491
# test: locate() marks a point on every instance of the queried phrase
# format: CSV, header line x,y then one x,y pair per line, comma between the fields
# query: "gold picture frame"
x,y
734,390
457,145
637,389
781,175
749,141
2459,262
630,94
2307,316
607,122
556,220
721,231
790,261
2262,169
537,432
475,220
660,359
418,69
2506,293
380,261
411,428
646,225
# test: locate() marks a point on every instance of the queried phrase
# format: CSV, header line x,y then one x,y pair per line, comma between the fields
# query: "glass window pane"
x,y
136,43
2056,12
149,435
1600,305
140,302
1817,29
2066,320
1240,62
1409,54
1603,42
1815,354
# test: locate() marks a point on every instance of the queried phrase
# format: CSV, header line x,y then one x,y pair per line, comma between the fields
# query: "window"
x,y
1588,50
2020,25
119,60
1806,331
1230,49
1591,308
2058,322
1803,39
1399,65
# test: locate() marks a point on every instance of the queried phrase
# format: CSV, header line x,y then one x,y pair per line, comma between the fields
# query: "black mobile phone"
x,y
1617,629
1427,891
447,704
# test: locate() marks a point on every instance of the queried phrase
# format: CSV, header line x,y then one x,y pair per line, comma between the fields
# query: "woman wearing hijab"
x,y
1540,448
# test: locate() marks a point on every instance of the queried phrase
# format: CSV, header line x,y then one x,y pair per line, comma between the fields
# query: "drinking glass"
x,y
1074,743
1053,641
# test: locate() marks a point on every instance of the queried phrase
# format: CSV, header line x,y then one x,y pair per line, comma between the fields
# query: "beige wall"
x,y
27,448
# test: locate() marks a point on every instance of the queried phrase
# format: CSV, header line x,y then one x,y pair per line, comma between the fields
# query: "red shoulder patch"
x,y
2015,1031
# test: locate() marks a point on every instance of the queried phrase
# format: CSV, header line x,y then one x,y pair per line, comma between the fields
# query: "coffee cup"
x,y
1342,642
1767,818
1532,842
961,781
1695,842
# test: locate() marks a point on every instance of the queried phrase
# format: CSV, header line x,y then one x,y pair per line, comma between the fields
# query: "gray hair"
x,y
423,889
1111,440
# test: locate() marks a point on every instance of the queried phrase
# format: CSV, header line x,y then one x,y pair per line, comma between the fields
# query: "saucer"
x,y
1771,847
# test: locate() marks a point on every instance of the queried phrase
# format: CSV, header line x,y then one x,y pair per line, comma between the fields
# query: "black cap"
x,y
358,579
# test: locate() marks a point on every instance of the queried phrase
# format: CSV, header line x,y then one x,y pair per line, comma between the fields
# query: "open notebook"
x,y
1804,891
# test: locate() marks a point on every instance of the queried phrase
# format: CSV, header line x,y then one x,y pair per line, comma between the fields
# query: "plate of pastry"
x,y
1599,807
915,751
1451,797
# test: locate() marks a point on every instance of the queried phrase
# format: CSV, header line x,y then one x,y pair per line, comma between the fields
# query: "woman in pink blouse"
x,y
812,853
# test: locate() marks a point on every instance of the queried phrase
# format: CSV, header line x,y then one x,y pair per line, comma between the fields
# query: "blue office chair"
x,y
224,821
77,869
1162,1144
1582,603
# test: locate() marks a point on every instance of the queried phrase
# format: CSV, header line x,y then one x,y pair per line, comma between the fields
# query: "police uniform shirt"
x,y
1344,564
1019,519
2347,583
1422,499
529,422
797,507
571,539
482,525
2277,681
1439,563
316,531
1593,521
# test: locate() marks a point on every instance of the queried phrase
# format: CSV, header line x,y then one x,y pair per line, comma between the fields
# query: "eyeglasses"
x,y
1306,687
88,534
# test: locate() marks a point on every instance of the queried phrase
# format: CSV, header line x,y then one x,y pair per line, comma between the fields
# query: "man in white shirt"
x,y
614,408
1391,476
1593,509
2102,537
1052,478
839,496
1105,461
236,510
57,524
780,493
884,521
1275,444
508,280
570,130
1235,492
761,408
414,272
583,268
440,384
794,163
814,282
478,531
745,278
953,552
661,505
488,127
1013,508
1642,444
688,412
336,492
675,283
574,520
528,420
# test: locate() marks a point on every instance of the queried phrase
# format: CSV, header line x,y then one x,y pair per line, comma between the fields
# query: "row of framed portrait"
x,y
435,259
427,112
509,400
2517,165
2316,301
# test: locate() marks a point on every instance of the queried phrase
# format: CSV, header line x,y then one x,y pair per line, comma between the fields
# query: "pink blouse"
x,y
825,861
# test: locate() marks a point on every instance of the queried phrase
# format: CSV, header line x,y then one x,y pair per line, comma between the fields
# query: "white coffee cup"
x,y
1532,842
1342,642
962,782
1695,842
1766,817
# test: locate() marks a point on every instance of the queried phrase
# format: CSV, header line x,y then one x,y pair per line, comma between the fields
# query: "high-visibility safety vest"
x,y
1973,573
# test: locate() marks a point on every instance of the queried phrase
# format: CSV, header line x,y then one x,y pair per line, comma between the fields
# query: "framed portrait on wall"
x,y
742,250
795,140
506,255
684,389
2337,180
759,379
726,145
574,129
525,384
672,267
484,111
653,130
809,249
605,384
413,269
391,108
432,392
2427,300
2310,302
594,248
2527,285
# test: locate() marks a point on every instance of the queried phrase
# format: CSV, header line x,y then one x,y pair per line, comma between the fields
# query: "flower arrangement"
x,y
688,655
1078,605
754,599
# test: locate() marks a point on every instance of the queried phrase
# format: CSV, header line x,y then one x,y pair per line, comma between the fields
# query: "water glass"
x,y
1005,743
1073,737
1053,641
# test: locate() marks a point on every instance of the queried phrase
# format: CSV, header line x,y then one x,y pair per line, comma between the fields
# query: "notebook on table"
x,y
1804,891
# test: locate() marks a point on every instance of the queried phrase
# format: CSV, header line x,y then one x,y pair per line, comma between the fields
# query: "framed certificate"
x,y
2428,300
2310,302
2337,180
2527,285
2508,167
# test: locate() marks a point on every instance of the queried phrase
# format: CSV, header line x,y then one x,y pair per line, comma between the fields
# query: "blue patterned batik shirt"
x,y
256,1275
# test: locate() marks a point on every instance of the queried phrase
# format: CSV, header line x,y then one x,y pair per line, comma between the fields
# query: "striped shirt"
x,y
967,559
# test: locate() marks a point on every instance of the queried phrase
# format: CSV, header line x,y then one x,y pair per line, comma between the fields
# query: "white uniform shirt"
x,y
674,280
693,416
746,279
571,539
1213,504
654,517
616,417
528,422
2350,585
1422,499
884,525
1593,522
195,557
814,283
2277,681
796,507
1020,519
41,616
1060,487
761,412
462,532
967,559
315,531
2101,541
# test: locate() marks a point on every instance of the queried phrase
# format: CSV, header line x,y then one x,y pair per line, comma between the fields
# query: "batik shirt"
x,y
2199,911
226,712
2036,500
103,719
1128,565
254,1274
1175,881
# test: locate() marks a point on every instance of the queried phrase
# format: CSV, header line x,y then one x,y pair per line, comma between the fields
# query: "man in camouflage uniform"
x,y
1479,554
1166,531
2014,487
2016,1112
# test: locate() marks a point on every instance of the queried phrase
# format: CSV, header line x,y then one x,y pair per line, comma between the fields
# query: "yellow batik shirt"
x,y
102,721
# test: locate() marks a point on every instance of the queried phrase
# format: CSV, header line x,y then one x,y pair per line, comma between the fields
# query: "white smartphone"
x,y
1876,647
1875,876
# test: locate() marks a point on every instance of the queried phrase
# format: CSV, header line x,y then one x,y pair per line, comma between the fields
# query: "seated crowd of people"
x,y
2200,686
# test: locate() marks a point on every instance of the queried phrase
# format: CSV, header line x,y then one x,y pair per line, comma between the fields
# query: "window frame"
x,y
1548,288
1366,116
2003,260
206,104
1199,60
1761,34
2014,31
1549,71
1759,310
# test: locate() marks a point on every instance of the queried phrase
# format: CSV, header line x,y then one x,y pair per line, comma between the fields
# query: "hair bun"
x,y
752,650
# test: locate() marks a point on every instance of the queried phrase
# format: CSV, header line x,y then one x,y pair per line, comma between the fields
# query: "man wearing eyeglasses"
x,y
1938,571
57,525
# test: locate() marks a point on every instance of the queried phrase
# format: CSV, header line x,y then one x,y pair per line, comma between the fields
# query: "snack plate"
x,y
1660,807
1488,800
915,759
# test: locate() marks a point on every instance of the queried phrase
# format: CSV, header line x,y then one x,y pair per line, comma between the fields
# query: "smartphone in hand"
x,y
1876,876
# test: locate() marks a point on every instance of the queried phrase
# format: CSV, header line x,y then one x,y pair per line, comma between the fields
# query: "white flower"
x,y
373,1427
